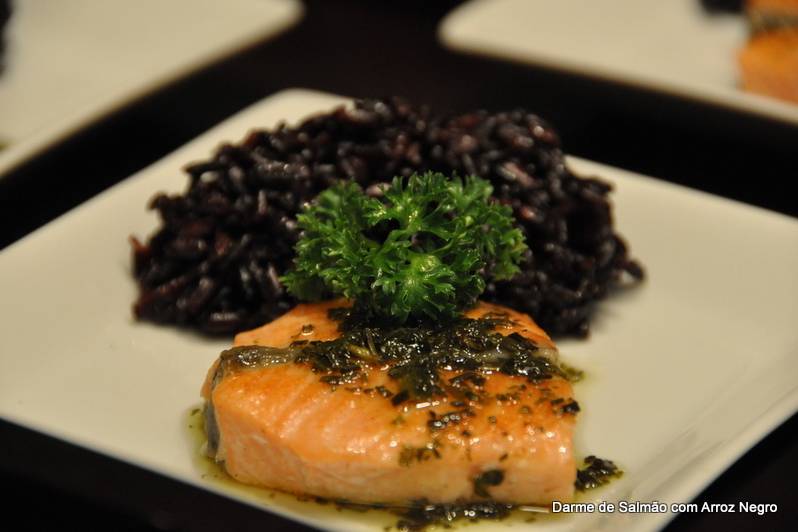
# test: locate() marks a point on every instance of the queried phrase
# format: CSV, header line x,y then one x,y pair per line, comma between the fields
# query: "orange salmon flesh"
x,y
769,64
281,427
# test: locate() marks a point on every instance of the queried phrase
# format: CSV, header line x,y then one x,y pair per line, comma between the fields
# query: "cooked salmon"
x,y
283,427
769,64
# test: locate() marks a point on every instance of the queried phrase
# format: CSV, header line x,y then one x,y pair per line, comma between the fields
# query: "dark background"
x,y
362,48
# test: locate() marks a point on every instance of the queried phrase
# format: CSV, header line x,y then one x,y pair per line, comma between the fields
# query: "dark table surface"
x,y
362,48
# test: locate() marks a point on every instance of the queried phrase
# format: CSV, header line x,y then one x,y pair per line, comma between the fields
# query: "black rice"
x,y
215,262
723,6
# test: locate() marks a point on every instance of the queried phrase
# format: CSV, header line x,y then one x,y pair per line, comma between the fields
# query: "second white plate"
x,y
69,63
672,46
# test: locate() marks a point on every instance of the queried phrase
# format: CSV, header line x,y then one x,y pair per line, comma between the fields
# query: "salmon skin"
x,y
275,420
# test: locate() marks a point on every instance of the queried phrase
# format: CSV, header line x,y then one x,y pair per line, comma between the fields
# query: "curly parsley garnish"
x,y
422,250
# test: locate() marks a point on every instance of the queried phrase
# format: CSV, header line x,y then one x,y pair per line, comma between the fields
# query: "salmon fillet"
x,y
282,427
789,6
769,64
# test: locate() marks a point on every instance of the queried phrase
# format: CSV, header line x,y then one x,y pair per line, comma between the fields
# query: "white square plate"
x,y
69,63
684,373
672,46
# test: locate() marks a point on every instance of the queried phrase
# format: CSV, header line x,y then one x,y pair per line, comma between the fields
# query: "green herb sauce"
x,y
493,477
595,473
414,355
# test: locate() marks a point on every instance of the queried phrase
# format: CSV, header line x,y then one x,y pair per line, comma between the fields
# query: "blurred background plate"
x,y
66,64
674,47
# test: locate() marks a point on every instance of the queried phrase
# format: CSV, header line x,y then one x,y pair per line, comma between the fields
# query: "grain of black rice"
x,y
215,262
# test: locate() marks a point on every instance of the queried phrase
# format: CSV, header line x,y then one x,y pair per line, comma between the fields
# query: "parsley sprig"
x,y
422,250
